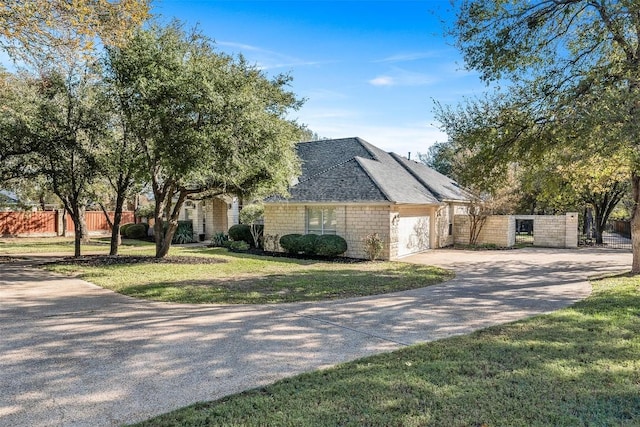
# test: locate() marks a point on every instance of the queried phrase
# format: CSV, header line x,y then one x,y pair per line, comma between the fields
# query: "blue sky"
x,y
367,68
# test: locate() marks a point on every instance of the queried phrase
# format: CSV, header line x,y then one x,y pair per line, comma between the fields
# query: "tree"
x,y
250,215
35,27
207,123
575,66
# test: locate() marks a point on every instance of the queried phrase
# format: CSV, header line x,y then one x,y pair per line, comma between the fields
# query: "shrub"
x,y
137,231
330,245
184,233
307,243
373,246
238,246
124,227
218,239
291,243
241,233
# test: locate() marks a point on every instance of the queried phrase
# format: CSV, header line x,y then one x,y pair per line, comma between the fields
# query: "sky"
x,y
371,69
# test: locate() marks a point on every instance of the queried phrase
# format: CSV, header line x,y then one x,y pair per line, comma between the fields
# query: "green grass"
x,y
241,279
576,367
61,245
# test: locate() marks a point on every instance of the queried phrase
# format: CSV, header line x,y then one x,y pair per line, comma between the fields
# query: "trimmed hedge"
x,y
291,243
242,232
328,245
137,231
124,227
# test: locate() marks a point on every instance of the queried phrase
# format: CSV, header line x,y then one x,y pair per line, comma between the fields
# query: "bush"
x,y
307,243
124,227
184,233
218,239
330,245
291,243
373,246
137,231
238,246
242,232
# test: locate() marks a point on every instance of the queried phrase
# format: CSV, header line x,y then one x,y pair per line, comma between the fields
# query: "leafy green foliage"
x,y
292,243
373,246
136,231
238,246
307,243
184,233
218,239
241,233
124,228
330,245
230,120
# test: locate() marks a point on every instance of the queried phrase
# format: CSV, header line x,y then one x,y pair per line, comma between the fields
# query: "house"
x,y
211,215
351,188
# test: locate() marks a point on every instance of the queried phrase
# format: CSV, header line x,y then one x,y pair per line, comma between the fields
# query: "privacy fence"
x,y
54,223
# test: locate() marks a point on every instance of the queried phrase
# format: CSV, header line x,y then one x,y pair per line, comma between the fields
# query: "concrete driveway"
x,y
73,354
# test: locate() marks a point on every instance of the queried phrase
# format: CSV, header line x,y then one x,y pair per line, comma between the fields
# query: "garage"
x,y
413,234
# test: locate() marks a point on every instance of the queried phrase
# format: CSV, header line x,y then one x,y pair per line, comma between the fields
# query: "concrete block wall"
x,y
556,231
283,219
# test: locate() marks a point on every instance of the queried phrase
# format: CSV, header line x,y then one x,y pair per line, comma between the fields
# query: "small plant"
x,y
124,228
238,246
218,239
184,233
250,215
373,246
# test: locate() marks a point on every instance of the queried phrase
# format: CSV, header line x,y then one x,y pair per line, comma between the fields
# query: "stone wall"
x,y
497,230
554,231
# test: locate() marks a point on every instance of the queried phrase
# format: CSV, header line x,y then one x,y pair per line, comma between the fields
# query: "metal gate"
x,y
524,232
616,235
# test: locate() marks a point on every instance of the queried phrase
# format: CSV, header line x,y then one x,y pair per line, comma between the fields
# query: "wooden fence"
x,y
49,223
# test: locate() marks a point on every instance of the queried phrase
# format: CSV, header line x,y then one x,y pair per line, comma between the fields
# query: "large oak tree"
x,y
206,123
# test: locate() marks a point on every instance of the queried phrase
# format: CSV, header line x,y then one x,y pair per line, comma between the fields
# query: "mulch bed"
x,y
102,260
338,259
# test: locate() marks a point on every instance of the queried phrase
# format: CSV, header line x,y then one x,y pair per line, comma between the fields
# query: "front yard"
x,y
576,367
204,275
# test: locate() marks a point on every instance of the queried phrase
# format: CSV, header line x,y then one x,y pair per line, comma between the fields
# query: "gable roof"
x,y
352,170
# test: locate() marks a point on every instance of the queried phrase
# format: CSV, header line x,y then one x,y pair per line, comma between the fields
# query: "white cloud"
x,y
411,56
401,77
266,59
382,81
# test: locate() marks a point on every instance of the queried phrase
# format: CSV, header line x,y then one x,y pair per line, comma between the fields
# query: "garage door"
x,y
413,234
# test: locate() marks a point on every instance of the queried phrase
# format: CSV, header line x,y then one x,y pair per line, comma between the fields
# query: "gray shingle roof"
x,y
352,170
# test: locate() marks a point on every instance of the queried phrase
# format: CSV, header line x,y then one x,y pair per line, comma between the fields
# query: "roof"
x,y
352,170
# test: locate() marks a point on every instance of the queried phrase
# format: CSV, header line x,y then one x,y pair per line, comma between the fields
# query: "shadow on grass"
x,y
579,366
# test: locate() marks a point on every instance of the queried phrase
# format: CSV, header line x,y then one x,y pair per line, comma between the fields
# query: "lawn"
x,y
202,275
576,367
61,245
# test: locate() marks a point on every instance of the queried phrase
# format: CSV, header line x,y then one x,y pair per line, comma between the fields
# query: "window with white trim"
x,y
321,221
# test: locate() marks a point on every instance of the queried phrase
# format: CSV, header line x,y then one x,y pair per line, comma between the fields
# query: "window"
x,y
321,221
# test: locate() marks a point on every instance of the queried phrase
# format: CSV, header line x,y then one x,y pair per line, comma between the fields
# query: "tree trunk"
x,y
84,230
635,223
78,224
115,227
598,222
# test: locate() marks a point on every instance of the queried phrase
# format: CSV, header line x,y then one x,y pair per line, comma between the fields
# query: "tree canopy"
x,y
35,27
570,72
206,122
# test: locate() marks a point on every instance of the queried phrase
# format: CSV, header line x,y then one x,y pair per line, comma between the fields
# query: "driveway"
x,y
74,354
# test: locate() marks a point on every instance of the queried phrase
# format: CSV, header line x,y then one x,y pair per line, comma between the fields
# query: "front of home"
x,y
351,188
